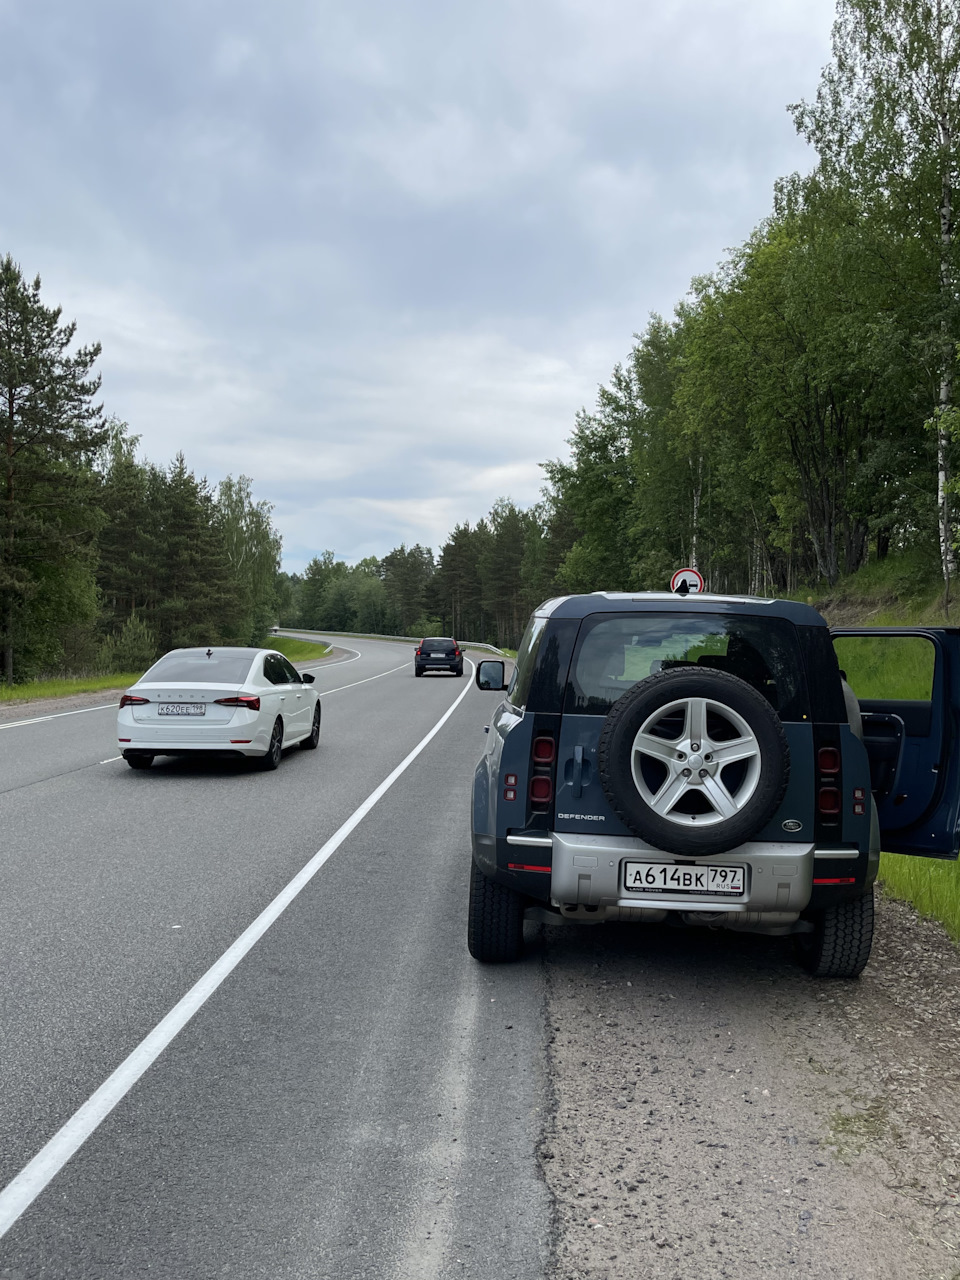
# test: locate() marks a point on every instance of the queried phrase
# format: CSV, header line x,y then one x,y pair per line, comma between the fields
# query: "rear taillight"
x,y
249,701
828,759
541,789
456,653
543,757
829,801
131,700
417,654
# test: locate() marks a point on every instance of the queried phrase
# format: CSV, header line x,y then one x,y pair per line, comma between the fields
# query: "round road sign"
x,y
687,581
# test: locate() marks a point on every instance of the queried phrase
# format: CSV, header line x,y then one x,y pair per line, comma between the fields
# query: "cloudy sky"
x,y
375,254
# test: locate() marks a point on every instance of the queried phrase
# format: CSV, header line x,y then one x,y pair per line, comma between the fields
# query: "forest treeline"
x,y
793,418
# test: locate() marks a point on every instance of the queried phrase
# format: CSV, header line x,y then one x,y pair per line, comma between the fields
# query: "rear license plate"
x,y
181,709
667,877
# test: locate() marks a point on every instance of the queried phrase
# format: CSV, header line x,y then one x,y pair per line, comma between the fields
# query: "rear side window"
x,y
221,667
616,651
519,686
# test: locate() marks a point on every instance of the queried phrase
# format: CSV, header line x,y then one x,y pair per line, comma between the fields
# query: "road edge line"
x,y
20,1193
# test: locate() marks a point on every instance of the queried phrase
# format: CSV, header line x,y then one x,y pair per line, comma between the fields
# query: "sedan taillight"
x,y
131,700
249,701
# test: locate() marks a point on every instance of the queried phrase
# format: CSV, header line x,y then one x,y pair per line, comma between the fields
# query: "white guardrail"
x,y
370,635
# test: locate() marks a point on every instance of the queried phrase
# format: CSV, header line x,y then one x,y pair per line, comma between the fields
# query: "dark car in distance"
x,y
438,653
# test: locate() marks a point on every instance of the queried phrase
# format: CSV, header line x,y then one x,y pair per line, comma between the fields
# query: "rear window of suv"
x,y
615,651
437,646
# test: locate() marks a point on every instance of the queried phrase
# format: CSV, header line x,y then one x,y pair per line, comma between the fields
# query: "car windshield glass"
x,y
222,667
614,652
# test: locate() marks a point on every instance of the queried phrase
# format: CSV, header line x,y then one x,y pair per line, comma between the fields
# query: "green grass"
x,y
63,687
887,666
931,885
296,650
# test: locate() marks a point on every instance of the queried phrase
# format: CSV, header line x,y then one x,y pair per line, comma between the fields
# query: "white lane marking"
x,y
21,1192
111,759
55,715
341,687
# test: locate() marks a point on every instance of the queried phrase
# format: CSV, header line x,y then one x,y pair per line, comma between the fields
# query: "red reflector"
x,y
124,739
131,700
544,750
541,790
249,702
829,800
239,740
841,880
522,866
829,760
509,793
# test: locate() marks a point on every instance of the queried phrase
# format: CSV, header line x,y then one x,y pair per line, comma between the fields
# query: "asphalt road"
x,y
358,1098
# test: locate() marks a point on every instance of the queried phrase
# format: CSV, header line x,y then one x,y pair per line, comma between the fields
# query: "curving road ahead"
x,y
356,1098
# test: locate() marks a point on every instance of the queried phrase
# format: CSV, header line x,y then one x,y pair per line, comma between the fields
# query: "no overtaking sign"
x,y
687,582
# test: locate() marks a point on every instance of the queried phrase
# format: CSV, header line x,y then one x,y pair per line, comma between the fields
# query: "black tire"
x,y
312,741
495,920
679,833
418,671
458,671
270,760
139,761
840,944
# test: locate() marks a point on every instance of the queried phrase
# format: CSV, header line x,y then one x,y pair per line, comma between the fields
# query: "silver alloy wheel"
x,y
693,764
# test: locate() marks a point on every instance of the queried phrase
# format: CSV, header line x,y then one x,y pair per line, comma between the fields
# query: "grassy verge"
x,y
62,688
931,885
296,650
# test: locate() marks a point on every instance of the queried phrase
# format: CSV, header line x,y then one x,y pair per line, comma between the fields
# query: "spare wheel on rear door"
x,y
693,761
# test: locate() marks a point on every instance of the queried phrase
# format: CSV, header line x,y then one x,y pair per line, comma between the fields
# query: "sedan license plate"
x,y
181,709
667,877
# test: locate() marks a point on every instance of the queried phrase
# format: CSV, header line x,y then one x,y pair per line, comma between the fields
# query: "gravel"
x,y
719,1113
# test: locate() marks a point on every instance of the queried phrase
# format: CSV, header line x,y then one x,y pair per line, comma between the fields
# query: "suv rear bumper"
x,y
588,871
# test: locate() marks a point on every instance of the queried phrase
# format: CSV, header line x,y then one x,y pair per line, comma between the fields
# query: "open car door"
x,y
907,681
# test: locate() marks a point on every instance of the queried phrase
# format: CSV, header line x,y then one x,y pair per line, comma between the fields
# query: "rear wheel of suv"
x,y
418,671
842,937
495,920
693,761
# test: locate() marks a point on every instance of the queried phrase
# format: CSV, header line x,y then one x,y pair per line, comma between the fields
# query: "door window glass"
x,y
273,669
519,685
290,673
616,651
888,668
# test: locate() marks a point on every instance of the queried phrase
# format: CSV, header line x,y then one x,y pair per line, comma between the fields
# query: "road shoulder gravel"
x,y
721,1114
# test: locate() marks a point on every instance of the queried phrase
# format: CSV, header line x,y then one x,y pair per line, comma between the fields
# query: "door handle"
x,y
577,785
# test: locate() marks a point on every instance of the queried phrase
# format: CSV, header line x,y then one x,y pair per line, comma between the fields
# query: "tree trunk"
x,y
947,554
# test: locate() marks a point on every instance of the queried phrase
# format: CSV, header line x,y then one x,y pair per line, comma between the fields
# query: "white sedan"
x,y
228,701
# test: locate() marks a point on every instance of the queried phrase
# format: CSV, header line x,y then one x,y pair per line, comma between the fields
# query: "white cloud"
x,y
377,256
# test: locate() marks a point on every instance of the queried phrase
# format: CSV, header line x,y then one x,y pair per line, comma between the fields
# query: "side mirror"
x,y
490,675
306,677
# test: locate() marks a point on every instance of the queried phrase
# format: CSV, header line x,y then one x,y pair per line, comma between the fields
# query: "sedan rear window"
x,y
614,652
437,646
221,667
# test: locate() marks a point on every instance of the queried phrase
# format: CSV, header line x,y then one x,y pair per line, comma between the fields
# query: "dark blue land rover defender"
x,y
702,760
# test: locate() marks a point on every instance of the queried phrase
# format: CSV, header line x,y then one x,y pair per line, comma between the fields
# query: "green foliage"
x,y
134,649
50,432
932,886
